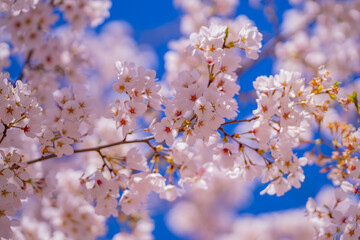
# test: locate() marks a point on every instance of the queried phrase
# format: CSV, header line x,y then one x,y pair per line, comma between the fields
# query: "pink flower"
x,y
164,130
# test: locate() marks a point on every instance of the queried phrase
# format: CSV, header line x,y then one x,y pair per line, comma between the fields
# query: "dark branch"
x,y
97,149
4,132
240,121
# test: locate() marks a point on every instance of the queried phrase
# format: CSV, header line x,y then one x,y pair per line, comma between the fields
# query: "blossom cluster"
x,y
16,7
62,212
19,110
142,93
199,12
67,122
30,27
13,178
335,215
325,33
240,32
286,108
82,13
343,164
204,96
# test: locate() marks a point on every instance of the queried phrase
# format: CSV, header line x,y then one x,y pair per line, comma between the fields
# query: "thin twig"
x,y
237,141
241,121
97,149
103,157
241,144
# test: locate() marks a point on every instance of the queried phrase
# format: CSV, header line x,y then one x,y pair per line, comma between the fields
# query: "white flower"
x,y
155,182
135,109
250,41
71,110
130,202
348,187
170,193
164,130
62,146
203,109
278,187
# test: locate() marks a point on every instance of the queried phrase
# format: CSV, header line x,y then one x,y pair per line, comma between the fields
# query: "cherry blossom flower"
x,y
164,131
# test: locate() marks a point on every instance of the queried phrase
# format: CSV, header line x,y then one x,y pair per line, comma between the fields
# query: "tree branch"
x,y
97,149
4,132
241,121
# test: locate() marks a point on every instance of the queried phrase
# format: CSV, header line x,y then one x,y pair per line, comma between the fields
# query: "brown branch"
x,y
97,149
241,121
103,157
241,144
4,132
237,141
